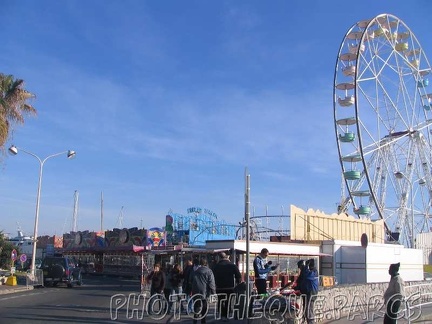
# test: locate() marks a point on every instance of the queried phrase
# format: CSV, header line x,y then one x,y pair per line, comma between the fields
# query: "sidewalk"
x,y
20,280
5,289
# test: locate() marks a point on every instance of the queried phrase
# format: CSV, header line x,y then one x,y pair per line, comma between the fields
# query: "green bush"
x,y
5,252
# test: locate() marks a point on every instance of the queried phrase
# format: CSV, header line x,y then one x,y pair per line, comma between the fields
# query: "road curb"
x,y
4,289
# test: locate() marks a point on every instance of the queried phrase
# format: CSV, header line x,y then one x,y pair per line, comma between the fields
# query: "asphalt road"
x,y
99,300
89,303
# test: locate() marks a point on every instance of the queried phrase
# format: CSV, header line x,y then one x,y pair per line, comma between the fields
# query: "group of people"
x,y
205,282
198,282
166,282
307,285
307,282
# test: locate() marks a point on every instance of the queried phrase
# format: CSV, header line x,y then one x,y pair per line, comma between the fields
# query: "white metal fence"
x,y
36,279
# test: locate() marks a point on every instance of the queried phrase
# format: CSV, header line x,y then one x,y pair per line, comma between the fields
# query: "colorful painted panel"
x,y
125,237
156,237
82,240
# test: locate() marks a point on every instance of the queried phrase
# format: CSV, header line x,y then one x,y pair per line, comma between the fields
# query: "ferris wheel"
x,y
383,124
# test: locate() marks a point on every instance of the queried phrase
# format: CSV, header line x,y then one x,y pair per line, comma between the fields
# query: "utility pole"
x,y
75,212
101,220
247,218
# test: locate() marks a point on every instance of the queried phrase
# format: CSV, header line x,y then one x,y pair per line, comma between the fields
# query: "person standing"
x,y
227,276
310,283
187,282
157,278
177,282
261,270
203,286
300,285
299,282
168,289
394,294
186,272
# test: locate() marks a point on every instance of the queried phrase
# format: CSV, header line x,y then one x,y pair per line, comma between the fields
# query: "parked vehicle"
x,y
61,269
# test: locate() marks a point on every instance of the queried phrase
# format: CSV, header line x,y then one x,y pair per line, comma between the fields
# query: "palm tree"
x,y
13,105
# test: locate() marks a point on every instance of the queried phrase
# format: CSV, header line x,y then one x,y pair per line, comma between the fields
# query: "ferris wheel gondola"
x,y
383,123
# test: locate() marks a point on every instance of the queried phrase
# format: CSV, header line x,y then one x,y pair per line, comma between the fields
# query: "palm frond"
x,y
14,105
4,131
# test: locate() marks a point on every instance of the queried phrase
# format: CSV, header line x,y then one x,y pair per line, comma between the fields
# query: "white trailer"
x,y
354,263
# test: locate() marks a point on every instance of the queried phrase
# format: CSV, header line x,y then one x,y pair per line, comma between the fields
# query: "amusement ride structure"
x,y
383,124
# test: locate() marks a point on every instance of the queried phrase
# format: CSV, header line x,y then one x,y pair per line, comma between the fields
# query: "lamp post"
x,y
247,223
400,175
14,151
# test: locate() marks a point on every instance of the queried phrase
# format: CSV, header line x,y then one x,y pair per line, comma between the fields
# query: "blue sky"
x,y
167,102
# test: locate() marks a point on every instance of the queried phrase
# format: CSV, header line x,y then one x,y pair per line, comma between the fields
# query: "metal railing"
x,y
36,279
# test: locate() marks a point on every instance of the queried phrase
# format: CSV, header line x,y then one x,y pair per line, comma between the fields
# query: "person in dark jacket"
x,y
187,288
394,295
227,276
157,278
177,281
300,282
168,289
310,289
203,286
187,284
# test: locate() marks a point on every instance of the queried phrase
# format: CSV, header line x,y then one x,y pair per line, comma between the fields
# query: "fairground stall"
x,y
114,252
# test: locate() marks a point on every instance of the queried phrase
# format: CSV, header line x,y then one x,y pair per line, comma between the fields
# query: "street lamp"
x,y
14,151
400,175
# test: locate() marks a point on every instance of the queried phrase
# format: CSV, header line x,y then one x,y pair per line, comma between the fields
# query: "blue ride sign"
x,y
199,210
